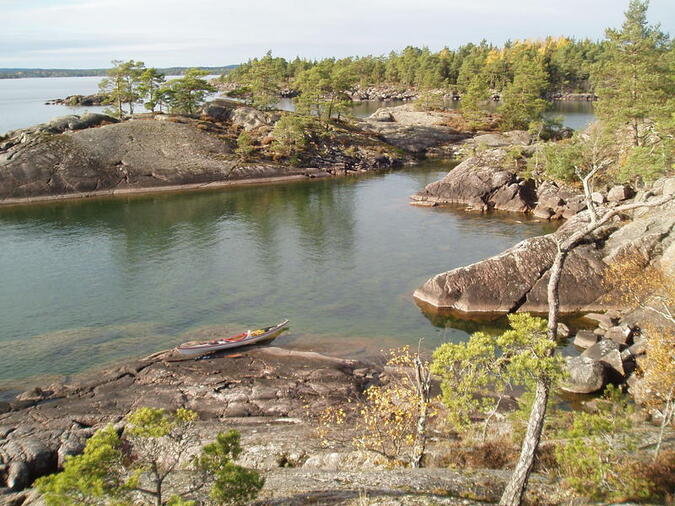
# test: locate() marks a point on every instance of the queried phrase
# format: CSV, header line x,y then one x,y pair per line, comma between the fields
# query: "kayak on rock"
x,y
243,339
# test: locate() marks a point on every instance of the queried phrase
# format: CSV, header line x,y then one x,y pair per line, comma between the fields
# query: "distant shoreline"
x,y
31,73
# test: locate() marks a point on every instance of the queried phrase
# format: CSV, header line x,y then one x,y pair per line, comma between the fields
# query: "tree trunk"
x,y
513,493
636,133
423,386
421,437
668,412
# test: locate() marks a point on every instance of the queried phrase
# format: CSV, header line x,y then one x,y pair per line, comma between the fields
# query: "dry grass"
x,y
496,453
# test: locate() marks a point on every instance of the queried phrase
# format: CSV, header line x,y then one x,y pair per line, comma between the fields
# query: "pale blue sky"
x,y
90,33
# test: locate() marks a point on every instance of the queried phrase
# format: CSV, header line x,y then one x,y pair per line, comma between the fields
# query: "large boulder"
x,y
585,375
619,193
609,353
241,115
250,118
500,140
516,280
585,339
482,182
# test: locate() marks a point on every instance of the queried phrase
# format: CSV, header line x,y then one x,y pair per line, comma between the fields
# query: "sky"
x,y
163,33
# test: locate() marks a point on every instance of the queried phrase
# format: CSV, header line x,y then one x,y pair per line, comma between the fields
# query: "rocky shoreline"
x,y
253,387
97,155
91,155
272,396
97,99
398,93
516,279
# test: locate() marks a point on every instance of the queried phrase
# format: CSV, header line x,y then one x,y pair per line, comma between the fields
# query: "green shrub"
x,y
245,147
291,135
556,160
596,455
148,463
646,164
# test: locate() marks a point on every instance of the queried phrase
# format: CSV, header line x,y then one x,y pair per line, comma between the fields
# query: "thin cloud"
x,y
86,33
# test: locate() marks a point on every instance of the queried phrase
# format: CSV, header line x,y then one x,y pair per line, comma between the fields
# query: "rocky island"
x,y
567,397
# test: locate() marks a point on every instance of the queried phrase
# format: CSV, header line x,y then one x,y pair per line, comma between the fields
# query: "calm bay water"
x,y
22,102
90,282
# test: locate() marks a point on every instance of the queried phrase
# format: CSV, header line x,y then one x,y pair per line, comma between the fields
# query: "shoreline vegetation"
x,y
488,406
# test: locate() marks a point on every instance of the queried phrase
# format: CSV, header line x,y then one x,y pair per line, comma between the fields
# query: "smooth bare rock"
x,y
264,386
563,331
648,237
639,346
614,360
345,461
250,118
498,140
516,281
134,154
220,109
542,211
585,375
415,139
585,339
414,131
669,186
607,352
382,114
640,390
573,208
409,115
600,349
603,320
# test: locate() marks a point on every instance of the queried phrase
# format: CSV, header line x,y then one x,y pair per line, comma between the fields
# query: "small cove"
x,y
96,281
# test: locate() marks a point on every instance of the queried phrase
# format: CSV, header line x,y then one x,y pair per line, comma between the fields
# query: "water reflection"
x,y
98,280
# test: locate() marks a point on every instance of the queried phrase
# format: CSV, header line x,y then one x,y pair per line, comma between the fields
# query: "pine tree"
x,y
633,81
473,100
522,102
121,86
263,81
187,93
151,80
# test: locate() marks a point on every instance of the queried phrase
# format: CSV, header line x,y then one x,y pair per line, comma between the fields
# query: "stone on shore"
x,y
585,339
585,375
607,352
619,193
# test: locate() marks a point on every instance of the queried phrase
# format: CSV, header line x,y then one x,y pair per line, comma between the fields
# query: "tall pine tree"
x,y
633,81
